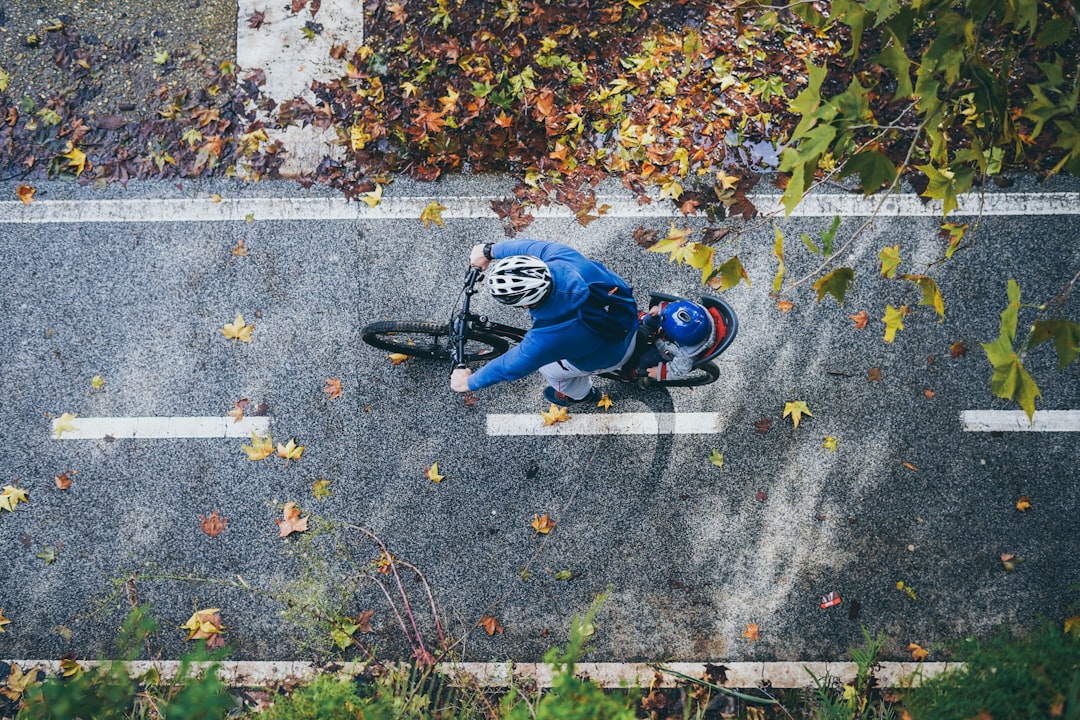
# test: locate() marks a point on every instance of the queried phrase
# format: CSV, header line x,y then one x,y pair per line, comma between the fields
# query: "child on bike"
x,y
684,332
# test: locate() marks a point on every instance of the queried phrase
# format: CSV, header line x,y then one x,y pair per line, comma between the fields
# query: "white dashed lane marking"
x,y
1017,421
160,428
608,424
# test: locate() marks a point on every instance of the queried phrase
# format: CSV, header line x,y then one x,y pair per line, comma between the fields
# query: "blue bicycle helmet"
x,y
685,323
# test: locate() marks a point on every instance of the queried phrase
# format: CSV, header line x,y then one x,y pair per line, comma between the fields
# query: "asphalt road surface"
x,y
691,552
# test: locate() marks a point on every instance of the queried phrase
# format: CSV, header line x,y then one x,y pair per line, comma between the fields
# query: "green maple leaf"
x,y
890,259
894,321
1066,337
717,458
730,274
1010,380
836,283
930,291
873,168
321,489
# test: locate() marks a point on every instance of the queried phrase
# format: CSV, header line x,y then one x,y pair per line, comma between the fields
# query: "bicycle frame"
x,y
464,321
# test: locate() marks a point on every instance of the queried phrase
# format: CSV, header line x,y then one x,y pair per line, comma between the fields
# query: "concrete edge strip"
x,y
158,428
462,207
793,674
1017,421
607,424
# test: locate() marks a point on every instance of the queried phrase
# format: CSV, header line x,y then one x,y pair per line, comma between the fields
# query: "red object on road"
x,y
830,600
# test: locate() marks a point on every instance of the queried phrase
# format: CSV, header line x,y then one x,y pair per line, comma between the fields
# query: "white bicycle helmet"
x,y
519,280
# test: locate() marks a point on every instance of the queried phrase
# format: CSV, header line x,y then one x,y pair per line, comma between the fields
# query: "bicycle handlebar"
x,y
458,322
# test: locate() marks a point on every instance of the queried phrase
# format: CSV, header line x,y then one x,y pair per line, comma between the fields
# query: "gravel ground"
x,y
118,39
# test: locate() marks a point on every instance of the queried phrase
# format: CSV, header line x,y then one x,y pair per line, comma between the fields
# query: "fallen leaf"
x,y
1010,561
239,249
48,554
490,625
290,451
18,682
237,329
363,621
321,489
260,448
470,400
564,575
4,621
784,306
873,375
727,182
76,159
762,426
333,388
918,653
1024,503
751,632
63,480
907,590
910,466
829,444
26,194
717,458
543,525
11,497
213,525
373,198
605,402
237,413
957,349
70,667
1072,624
761,496
292,521
205,625
432,213
432,473
860,319
397,358
215,198
97,382
796,409
64,424
555,414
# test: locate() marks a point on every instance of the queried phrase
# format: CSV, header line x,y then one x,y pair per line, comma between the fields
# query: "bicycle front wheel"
x,y
417,338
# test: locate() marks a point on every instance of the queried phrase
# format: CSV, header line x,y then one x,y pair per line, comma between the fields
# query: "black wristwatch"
x,y
487,250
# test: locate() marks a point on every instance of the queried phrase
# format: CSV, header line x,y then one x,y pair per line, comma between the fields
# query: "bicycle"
x,y
470,337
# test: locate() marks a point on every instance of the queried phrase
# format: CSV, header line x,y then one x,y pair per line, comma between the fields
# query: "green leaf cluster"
x,y
1010,380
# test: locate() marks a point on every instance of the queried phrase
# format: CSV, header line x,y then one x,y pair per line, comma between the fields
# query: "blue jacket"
x,y
557,332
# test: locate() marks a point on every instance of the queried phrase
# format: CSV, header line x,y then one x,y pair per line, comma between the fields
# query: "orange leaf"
x,y
213,525
397,358
292,521
26,194
543,525
333,388
918,653
63,481
910,466
784,306
751,632
1024,503
874,375
490,624
929,394
860,319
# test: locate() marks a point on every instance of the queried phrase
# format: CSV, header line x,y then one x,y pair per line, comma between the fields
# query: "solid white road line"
x,y
398,208
248,673
1017,421
608,424
157,428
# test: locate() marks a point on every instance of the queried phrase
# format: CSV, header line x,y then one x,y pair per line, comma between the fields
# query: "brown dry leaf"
x,y
761,496
363,621
237,413
957,349
555,414
490,625
860,319
26,194
873,375
397,358
239,249
3,621
333,388
762,426
470,400
214,524
918,653
784,306
646,238
751,632
292,521
63,480
910,466
1024,503
543,525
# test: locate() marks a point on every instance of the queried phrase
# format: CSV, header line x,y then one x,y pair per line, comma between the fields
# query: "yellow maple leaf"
x,y
637,4
12,496
333,388
260,448
672,242
555,414
1024,503
63,424
796,409
432,213
70,667
374,197
543,525
18,682
290,451
727,182
829,444
894,320
432,473
238,330
605,402
4,621
76,159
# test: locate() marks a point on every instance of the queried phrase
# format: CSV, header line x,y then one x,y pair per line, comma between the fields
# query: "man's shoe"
x,y
554,396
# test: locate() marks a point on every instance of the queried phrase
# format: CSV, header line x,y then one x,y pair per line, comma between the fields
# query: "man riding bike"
x,y
551,281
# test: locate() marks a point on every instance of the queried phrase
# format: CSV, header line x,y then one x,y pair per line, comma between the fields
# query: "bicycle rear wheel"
x,y
418,338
